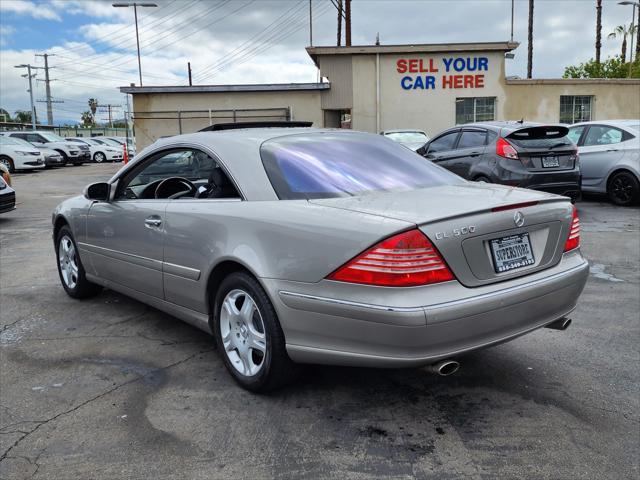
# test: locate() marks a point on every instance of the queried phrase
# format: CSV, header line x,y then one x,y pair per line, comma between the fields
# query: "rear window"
x,y
541,137
325,165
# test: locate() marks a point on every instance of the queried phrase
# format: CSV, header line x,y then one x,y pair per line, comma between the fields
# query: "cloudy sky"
x,y
254,41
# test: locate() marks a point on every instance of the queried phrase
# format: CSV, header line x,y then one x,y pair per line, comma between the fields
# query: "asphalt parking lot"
x,y
109,388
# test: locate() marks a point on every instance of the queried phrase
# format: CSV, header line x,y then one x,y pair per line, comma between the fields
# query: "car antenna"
x,y
521,120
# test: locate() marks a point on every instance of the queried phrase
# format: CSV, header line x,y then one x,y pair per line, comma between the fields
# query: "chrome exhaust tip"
x,y
561,324
444,368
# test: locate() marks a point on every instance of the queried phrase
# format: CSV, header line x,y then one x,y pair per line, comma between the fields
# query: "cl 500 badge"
x,y
456,232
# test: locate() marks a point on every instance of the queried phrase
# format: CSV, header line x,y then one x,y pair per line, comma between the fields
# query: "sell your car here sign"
x,y
442,73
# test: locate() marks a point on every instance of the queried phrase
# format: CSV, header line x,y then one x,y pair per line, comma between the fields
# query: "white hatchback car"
x,y
609,158
17,154
100,152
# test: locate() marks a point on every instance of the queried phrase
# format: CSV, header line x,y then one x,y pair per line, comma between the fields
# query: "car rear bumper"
x,y
561,182
7,201
449,320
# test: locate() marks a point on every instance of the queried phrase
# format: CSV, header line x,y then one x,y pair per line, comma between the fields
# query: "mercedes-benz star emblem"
x,y
518,219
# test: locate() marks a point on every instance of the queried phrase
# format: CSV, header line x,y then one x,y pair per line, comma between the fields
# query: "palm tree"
x,y
93,105
87,119
623,31
530,46
598,29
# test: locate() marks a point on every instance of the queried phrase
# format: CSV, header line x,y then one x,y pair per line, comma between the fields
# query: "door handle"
x,y
474,154
153,222
612,150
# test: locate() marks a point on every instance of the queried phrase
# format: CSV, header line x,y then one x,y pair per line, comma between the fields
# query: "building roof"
x,y
314,52
571,81
268,87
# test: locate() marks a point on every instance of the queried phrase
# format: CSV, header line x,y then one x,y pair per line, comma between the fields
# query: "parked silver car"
x,y
303,245
413,139
609,158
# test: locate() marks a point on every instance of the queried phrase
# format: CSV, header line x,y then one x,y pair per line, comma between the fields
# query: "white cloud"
x,y
206,32
23,7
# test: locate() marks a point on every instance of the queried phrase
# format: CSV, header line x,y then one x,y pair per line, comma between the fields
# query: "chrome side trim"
x,y
165,267
126,257
352,304
180,271
452,303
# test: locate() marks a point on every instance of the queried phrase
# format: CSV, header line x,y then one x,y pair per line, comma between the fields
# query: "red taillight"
x,y
505,149
573,240
404,260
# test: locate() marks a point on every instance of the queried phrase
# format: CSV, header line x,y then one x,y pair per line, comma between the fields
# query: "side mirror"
x,y
97,191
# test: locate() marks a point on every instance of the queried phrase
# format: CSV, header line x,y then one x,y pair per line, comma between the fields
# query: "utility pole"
x,y
109,107
347,21
512,9
598,29
310,24
30,76
47,83
339,23
530,40
127,119
188,70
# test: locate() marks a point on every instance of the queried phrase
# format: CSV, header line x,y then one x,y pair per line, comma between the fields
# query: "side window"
x,y
195,175
602,135
443,143
575,133
34,137
472,138
23,136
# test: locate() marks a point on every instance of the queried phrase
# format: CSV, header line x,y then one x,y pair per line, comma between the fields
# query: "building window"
x,y
480,109
575,108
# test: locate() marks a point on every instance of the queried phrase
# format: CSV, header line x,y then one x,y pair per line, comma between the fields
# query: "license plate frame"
x,y
551,162
517,247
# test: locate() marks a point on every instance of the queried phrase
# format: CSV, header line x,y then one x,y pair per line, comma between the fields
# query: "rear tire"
x,y
248,335
623,188
70,270
99,157
7,162
65,158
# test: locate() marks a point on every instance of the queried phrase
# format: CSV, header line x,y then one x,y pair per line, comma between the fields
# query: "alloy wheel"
x,y
622,188
99,157
243,333
68,262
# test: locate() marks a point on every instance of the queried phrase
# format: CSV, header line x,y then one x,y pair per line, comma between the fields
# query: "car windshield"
x,y
110,141
407,137
14,141
76,140
51,137
325,165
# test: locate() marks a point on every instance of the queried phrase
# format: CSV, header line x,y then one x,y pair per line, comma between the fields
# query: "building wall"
x,y
304,105
539,100
431,105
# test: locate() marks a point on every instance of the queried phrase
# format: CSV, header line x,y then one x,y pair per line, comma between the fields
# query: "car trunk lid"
x,y
469,223
544,148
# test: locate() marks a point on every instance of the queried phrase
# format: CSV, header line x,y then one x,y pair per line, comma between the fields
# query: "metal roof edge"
x,y
269,87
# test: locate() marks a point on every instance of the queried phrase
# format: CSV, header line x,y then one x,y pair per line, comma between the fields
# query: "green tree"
x,y
612,67
87,119
5,116
23,116
622,31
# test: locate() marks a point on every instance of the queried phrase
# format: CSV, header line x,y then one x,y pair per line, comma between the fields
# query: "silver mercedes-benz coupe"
x,y
301,245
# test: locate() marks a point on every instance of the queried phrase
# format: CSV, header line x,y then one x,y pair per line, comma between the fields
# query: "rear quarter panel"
x,y
292,240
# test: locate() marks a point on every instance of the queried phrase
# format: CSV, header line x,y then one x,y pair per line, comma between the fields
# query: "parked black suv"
x,y
529,155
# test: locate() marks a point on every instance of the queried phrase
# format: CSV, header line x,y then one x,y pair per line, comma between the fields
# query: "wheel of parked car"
x,y
65,158
248,335
99,157
70,269
7,162
482,179
623,188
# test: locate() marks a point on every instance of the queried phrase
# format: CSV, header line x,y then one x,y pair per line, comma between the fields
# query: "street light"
x,y
33,109
633,17
135,6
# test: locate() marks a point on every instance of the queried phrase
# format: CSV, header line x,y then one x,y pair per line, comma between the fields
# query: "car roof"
x,y
403,130
238,151
615,123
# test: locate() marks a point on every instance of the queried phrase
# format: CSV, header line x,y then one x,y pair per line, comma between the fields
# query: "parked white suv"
x,y
16,154
71,152
99,151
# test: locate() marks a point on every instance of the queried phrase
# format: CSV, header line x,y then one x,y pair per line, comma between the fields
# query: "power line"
x,y
248,44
